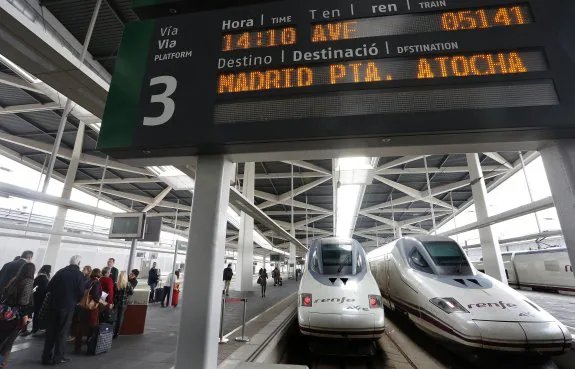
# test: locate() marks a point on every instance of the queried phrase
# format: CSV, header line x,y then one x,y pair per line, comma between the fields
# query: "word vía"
x,y
500,304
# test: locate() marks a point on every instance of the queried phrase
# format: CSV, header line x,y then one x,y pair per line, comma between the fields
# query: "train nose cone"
x,y
546,336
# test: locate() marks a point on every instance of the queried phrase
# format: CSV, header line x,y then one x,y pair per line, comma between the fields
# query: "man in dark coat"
x,y
66,289
9,270
153,279
113,270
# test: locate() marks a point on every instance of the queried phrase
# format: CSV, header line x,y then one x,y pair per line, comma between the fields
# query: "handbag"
x,y
87,302
46,309
9,313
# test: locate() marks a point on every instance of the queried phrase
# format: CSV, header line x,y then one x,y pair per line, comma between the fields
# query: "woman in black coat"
x,y
40,285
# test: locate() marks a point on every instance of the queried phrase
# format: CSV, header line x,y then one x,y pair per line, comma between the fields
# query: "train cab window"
x,y
418,262
337,259
359,264
448,258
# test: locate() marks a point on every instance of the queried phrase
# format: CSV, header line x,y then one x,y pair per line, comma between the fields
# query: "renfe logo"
x,y
338,300
500,304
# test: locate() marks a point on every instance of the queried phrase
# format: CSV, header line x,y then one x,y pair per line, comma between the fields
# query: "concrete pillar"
x,y
197,345
54,241
559,162
246,236
489,243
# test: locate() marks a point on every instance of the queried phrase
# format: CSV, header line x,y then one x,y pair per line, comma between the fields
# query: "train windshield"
x,y
337,258
448,257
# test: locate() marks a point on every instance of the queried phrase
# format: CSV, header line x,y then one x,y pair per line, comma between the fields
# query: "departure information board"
x,y
290,75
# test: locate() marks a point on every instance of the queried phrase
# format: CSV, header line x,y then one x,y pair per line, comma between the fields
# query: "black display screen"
x,y
313,74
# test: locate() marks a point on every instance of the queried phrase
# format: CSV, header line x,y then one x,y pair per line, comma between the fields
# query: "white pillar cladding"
x,y
197,345
292,256
492,260
55,241
559,162
398,232
246,236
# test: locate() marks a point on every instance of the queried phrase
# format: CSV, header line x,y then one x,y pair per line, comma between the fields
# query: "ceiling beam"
x,y
377,218
517,166
157,199
287,175
288,213
400,161
499,158
117,181
460,184
418,195
283,198
265,195
27,108
67,154
457,169
13,81
140,198
410,210
306,165
517,212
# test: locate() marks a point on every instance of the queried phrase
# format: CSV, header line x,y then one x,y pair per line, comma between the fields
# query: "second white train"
x,y
431,280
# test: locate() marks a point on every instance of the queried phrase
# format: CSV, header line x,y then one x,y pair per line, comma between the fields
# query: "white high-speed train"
x,y
338,296
431,280
542,270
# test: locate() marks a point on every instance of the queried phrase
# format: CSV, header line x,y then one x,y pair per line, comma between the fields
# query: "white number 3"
x,y
163,98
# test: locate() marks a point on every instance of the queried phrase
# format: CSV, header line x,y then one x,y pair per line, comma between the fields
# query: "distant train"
x,y
430,279
338,296
541,270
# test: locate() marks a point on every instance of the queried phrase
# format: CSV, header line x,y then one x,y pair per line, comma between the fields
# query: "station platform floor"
x,y
156,348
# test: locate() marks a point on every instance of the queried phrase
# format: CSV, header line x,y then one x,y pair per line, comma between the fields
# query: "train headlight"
x,y
375,302
306,300
448,304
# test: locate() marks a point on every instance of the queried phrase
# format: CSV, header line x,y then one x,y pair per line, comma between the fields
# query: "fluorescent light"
x,y
354,171
347,203
352,175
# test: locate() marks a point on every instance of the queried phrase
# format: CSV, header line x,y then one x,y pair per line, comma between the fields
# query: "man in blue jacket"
x,y
66,289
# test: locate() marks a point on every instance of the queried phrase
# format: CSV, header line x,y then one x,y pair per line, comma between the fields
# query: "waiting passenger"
x,y
170,280
16,309
66,289
9,270
107,286
228,275
153,278
123,290
276,274
41,286
114,272
88,317
87,271
263,281
133,278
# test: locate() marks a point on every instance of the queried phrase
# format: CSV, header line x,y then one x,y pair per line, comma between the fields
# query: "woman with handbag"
x,y
88,311
16,306
263,281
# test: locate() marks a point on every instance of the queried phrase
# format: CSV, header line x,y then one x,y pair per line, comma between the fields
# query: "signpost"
x,y
280,75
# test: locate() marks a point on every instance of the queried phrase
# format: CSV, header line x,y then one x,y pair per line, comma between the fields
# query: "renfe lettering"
x,y
500,304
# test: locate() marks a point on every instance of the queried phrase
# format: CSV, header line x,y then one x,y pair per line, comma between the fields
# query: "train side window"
x,y
418,261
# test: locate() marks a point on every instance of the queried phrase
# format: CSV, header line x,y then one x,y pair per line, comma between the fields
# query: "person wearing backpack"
x,y
228,275
66,289
88,311
16,306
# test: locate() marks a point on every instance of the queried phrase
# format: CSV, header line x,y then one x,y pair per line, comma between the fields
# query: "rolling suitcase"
x,y
101,340
159,294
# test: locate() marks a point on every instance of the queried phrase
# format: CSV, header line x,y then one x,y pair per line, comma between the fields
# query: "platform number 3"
x,y
163,98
